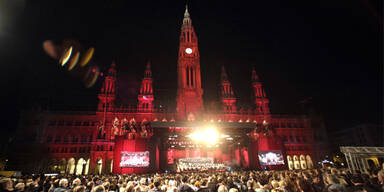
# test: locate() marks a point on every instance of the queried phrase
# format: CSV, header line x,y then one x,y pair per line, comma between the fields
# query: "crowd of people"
x,y
315,180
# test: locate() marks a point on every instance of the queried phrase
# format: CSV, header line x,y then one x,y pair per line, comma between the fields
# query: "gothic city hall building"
x,y
143,139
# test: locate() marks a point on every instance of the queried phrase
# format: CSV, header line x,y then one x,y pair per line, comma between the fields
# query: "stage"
x,y
176,149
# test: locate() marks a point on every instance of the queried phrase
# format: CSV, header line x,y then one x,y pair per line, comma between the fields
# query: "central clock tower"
x,y
189,92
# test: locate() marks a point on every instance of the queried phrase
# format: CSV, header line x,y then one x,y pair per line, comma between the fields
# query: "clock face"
x,y
188,50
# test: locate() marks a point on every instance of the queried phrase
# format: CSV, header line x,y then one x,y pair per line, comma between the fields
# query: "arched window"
x,y
192,77
187,75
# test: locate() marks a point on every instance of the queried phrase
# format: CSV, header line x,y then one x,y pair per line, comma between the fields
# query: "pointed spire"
x,y
148,72
224,76
255,77
112,69
148,67
187,20
186,13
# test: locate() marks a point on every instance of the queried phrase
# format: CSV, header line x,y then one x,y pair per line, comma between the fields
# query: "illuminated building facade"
x,y
92,142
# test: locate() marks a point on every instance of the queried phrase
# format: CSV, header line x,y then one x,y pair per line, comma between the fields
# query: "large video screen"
x,y
134,159
271,158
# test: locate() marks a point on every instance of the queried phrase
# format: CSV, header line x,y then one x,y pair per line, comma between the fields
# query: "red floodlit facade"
x,y
92,142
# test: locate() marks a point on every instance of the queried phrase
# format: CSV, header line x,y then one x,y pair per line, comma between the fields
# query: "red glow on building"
x,y
92,142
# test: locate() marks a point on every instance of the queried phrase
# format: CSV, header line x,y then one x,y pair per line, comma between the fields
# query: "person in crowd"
x,y
99,188
6,184
184,186
76,182
63,186
156,187
19,187
334,183
79,188
172,186
380,178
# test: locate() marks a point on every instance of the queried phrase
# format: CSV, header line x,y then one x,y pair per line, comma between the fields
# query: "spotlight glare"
x,y
208,136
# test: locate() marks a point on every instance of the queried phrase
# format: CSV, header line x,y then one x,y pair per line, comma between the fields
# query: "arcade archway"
x,y
296,162
80,166
99,166
290,162
111,167
86,168
62,165
303,163
71,166
309,162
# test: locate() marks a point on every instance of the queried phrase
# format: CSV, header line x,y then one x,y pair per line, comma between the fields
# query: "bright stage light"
x,y
209,136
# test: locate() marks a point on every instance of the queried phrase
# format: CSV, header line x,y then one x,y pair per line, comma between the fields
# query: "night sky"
x,y
330,51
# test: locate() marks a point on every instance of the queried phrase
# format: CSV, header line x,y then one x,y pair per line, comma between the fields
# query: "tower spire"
x,y
255,77
186,13
187,22
189,92
224,76
148,72
227,96
145,97
108,90
261,101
